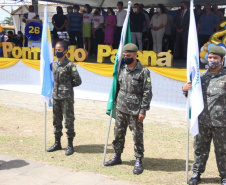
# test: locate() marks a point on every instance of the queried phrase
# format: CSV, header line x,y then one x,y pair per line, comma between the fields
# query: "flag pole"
x,y
188,127
106,142
45,128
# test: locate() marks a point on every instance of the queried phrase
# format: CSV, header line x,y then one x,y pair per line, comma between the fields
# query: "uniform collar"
x,y
65,61
219,73
137,66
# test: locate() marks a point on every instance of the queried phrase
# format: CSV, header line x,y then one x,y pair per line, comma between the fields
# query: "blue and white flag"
x,y
46,75
193,74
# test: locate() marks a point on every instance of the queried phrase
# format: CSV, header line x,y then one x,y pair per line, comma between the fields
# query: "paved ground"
x,y
14,171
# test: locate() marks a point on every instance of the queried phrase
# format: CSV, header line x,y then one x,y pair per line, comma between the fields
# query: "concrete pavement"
x,y
15,171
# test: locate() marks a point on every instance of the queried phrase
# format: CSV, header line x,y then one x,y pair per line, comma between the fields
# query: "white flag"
x,y
196,97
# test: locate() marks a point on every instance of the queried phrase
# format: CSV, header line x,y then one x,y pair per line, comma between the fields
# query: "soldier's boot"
x,y
195,179
138,167
115,160
223,181
70,149
56,146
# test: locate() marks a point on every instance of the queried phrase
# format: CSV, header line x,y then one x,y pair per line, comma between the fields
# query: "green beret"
x,y
130,48
217,50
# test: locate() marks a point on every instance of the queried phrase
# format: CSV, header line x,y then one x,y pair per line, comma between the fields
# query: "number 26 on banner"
x,y
34,30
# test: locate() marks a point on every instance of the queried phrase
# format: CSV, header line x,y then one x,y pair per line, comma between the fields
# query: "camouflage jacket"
x,y
65,78
134,90
214,97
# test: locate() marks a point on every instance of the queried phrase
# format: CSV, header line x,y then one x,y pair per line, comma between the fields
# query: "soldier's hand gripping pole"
x,y
106,142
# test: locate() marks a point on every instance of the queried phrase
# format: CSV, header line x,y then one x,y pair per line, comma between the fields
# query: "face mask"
x,y
59,54
214,65
128,61
134,10
85,9
109,13
182,8
75,11
158,10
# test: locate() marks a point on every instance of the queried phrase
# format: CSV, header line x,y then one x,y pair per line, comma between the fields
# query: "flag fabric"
x,y
46,75
193,74
125,39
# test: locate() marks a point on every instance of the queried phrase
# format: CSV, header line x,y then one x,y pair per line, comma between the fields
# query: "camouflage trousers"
x,y
121,123
202,148
63,108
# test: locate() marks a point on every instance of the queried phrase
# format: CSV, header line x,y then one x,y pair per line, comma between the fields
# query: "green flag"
x,y
125,39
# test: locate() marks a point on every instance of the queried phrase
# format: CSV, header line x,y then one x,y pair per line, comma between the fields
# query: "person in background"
x,y
207,22
66,77
69,11
150,14
158,23
30,15
142,8
59,22
145,34
86,26
110,22
120,15
20,38
182,26
212,120
97,30
11,38
138,22
75,27
168,36
218,13
198,13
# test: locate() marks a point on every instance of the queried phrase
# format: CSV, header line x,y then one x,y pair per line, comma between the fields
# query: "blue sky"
x,y
4,14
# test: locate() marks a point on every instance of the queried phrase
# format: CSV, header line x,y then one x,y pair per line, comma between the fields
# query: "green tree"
x,y
8,20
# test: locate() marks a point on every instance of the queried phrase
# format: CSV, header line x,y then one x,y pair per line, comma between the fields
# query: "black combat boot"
x,y
115,160
195,178
223,181
56,146
138,168
70,149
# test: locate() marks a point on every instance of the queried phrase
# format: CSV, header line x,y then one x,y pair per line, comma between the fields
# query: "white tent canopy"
x,y
147,3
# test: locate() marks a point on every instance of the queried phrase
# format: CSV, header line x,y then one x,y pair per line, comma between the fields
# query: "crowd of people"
x,y
160,29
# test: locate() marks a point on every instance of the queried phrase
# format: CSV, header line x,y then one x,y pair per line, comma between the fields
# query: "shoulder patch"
x,y
73,68
148,79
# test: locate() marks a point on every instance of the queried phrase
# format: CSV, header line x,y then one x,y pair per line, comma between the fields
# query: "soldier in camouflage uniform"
x,y
212,120
65,78
133,100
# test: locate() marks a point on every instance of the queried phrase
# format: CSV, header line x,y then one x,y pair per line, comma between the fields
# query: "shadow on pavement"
x,y
159,164
12,164
91,149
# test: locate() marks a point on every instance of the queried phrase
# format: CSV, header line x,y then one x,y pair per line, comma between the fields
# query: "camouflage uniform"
x,y
212,122
65,78
134,97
